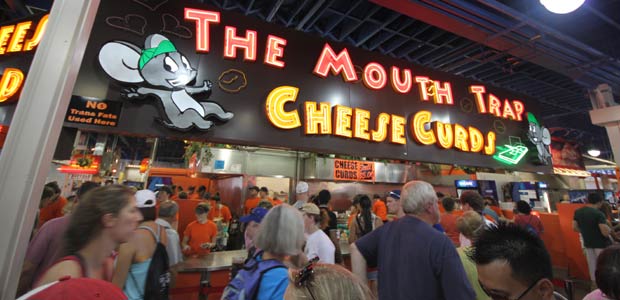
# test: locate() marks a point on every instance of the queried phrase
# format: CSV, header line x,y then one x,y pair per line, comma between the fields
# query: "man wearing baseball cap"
x,y
393,204
252,200
318,243
301,194
199,236
252,222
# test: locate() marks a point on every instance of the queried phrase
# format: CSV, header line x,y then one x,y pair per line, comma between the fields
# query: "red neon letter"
x,y
508,112
202,18
494,105
443,93
275,50
375,76
247,43
478,90
519,109
336,63
422,80
402,86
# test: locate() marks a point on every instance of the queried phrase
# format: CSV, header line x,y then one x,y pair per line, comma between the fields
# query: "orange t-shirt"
x,y
199,234
52,211
220,211
441,209
380,210
194,196
250,204
276,202
448,222
497,210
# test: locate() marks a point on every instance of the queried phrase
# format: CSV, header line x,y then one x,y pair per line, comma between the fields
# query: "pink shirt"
x,y
596,295
47,245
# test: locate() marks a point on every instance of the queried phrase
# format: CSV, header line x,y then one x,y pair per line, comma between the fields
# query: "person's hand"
x,y
207,245
186,248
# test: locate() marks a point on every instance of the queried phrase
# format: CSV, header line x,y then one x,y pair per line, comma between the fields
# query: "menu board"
x,y
353,170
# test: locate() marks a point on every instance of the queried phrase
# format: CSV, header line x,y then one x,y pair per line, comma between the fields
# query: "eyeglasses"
x,y
303,275
496,296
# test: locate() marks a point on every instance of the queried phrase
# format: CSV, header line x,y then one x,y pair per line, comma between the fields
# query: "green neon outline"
x,y
507,159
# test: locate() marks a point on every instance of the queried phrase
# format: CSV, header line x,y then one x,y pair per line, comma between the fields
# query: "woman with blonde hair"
x,y
471,224
325,281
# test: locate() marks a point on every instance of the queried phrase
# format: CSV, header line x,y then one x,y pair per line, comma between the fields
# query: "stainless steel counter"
x,y
214,261
217,261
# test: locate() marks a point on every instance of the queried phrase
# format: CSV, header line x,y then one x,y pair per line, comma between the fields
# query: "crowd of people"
x,y
126,243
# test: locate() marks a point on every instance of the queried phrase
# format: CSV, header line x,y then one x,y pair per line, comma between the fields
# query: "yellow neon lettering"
x,y
476,139
10,83
445,134
420,134
38,34
318,118
343,120
18,37
398,130
360,124
274,107
460,138
380,134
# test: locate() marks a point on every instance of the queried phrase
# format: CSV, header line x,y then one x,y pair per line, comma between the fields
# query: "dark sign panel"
x,y
93,112
190,71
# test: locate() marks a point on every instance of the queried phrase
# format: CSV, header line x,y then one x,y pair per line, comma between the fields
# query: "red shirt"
x,y
448,222
523,220
219,211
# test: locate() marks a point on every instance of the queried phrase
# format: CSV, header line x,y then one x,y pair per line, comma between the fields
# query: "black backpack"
x,y
158,276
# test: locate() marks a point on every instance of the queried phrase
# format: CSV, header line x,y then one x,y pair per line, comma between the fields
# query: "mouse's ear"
x,y
153,40
120,61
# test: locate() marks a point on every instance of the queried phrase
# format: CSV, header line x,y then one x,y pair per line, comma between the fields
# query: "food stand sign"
x,y
191,71
353,170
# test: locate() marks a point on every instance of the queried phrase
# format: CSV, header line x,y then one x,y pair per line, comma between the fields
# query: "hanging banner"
x,y
194,72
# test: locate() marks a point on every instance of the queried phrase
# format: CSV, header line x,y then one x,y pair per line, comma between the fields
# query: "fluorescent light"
x,y
562,6
594,152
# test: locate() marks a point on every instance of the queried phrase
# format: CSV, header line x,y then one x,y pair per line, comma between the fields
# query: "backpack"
x,y
158,276
531,228
245,285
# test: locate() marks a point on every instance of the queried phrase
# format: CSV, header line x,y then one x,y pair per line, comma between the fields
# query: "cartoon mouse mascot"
x,y
167,74
539,136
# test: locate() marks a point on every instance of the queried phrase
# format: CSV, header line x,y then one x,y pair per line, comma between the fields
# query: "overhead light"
x,y
562,6
594,152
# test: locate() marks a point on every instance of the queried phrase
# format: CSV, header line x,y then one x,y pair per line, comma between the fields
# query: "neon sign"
x,y
350,122
510,154
10,83
13,37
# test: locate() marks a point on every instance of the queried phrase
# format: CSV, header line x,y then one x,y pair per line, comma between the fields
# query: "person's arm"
x,y
184,244
576,226
37,250
358,264
123,262
605,230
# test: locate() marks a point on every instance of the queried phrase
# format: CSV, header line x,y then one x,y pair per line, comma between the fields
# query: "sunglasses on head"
x,y
302,277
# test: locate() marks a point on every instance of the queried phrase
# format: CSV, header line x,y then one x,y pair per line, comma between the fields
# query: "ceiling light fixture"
x,y
594,152
562,6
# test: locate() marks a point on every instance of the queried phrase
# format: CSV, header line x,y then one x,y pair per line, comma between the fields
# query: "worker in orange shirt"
x,y
219,211
263,194
379,208
252,201
53,209
199,236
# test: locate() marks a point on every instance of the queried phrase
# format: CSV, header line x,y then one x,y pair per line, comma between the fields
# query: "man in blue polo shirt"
x,y
415,261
